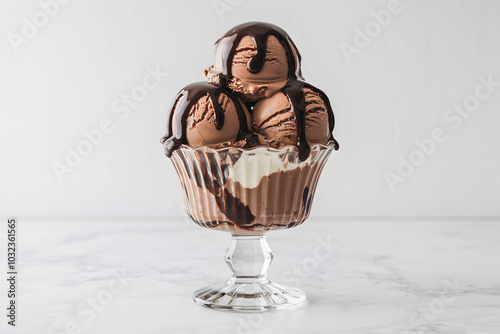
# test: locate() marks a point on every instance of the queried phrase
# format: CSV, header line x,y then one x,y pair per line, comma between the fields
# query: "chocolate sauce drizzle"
x,y
259,32
186,99
294,89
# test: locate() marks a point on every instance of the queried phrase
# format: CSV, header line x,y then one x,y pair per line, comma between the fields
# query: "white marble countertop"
x,y
417,276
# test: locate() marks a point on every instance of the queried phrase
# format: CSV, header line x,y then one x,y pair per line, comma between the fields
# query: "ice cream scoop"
x,y
254,86
274,119
205,115
254,60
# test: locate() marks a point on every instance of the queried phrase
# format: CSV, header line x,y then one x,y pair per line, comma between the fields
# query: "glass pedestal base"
x,y
249,290
249,297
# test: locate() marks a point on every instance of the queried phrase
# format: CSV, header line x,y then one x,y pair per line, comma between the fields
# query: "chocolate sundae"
x,y
249,144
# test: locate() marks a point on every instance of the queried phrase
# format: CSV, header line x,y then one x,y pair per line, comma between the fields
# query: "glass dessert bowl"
x,y
248,145
249,192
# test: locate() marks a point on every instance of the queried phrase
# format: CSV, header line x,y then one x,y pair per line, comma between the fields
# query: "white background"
x,y
396,90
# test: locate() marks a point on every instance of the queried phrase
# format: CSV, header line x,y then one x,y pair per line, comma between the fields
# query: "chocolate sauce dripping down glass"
x,y
260,33
182,105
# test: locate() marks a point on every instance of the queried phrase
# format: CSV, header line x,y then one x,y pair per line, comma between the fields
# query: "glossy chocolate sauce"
x,y
294,90
259,32
186,99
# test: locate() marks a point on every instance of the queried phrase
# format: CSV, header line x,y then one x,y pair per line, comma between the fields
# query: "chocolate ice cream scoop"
x,y
254,86
254,59
204,115
274,119
202,128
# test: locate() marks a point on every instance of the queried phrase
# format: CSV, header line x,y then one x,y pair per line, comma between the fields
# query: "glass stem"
x,y
249,258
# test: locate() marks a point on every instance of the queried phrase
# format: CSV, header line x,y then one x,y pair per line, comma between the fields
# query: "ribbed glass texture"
x,y
249,191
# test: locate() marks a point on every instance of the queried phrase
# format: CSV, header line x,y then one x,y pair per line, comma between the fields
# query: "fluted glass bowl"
x,y
249,192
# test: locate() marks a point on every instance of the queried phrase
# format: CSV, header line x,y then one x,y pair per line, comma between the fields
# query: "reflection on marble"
x,y
375,277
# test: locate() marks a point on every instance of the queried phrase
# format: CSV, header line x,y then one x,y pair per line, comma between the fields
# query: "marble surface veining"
x,y
373,277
